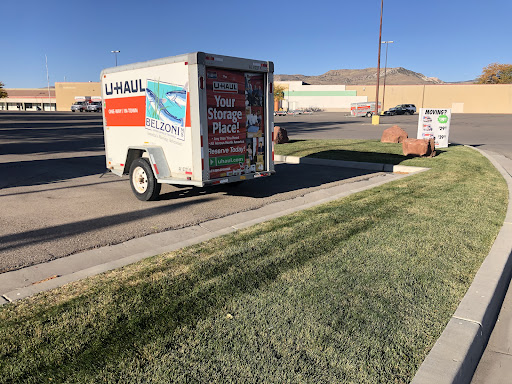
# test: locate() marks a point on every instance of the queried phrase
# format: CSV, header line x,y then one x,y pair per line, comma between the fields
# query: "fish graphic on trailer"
x,y
179,98
160,109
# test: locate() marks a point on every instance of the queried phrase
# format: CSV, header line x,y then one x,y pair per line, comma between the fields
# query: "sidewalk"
x,y
495,366
456,354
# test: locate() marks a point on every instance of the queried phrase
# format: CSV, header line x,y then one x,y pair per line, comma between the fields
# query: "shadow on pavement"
x,y
293,177
37,172
307,127
63,231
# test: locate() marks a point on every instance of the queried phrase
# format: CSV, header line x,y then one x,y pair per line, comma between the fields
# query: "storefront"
x,y
29,99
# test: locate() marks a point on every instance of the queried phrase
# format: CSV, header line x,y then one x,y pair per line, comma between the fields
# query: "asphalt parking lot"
x,y
56,199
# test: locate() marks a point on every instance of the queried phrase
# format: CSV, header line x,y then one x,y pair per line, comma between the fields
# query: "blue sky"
x,y
452,40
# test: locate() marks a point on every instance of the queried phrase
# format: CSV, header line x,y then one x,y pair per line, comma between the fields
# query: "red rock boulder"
x,y
419,147
280,135
394,134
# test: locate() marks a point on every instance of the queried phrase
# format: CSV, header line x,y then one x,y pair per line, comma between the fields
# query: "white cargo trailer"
x,y
366,109
195,119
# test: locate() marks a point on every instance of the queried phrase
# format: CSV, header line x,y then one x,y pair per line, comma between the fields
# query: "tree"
x,y
279,92
2,92
496,73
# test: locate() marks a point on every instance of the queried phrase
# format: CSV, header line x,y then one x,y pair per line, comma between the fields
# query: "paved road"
x,y
56,201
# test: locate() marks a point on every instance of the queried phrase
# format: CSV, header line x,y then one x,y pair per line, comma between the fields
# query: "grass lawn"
x,y
357,290
371,151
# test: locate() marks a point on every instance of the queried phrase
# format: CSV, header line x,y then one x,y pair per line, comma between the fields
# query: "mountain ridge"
x,y
366,76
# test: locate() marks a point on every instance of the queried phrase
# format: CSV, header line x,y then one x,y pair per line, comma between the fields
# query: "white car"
x,y
79,106
95,106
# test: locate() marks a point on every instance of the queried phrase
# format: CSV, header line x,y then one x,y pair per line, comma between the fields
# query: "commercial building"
x,y
28,99
61,97
461,98
330,98
68,93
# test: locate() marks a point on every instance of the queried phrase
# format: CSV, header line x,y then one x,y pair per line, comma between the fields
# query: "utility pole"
x,y
376,120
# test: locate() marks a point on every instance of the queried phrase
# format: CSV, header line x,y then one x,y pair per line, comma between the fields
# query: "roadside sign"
x,y
435,123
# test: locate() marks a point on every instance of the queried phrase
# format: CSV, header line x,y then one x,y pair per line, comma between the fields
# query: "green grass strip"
x,y
372,151
357,290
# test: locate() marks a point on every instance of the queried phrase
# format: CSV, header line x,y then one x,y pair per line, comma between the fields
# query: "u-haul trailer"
x,y
366,109
196,119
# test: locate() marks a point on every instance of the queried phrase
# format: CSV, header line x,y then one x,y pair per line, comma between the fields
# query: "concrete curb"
x,y
379,167
457,352
19,284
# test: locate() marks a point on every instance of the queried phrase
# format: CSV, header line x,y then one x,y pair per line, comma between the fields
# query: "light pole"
x,y
385,70
48,80
115,53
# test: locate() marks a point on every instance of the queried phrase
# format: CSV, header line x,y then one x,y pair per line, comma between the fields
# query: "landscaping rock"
x,y
419,147
280,135
394,134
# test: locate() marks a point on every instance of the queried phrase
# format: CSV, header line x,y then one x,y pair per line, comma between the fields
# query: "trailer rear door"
x,y
236,105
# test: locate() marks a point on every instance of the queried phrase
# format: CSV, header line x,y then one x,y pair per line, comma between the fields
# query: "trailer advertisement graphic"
x,y
166,109
235,113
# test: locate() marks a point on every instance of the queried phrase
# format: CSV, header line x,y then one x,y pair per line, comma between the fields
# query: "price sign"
x,y
435,123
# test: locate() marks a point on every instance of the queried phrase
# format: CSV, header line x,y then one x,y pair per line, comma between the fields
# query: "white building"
x,y
330,98
28,99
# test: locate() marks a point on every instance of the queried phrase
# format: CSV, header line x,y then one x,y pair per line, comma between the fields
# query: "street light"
x,y
115,53
385,70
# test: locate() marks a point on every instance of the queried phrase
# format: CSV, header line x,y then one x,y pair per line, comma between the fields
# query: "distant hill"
x,y
367,76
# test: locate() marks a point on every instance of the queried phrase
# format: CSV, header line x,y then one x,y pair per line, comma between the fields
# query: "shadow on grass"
x,y
148,310
367,157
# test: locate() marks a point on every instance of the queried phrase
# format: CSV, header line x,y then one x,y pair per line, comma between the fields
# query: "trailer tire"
x,y
142,180
369,114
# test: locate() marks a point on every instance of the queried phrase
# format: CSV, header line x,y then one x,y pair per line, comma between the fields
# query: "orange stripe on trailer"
x,y
187,112
125,111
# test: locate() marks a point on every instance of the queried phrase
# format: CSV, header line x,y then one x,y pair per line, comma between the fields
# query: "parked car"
x,y
95,106
396,111
79,106
400,110
411,108
279,113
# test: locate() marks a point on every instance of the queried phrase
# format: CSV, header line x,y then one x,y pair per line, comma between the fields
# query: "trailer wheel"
x,y
143,181
369,114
